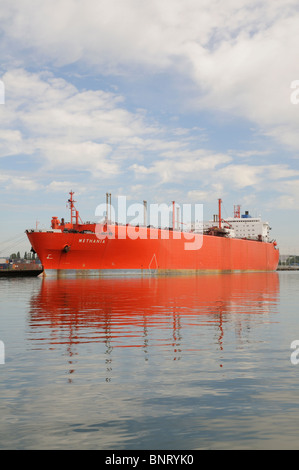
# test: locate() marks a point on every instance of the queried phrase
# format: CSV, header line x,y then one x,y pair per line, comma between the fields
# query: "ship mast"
x,y
219,212
74,212
237,212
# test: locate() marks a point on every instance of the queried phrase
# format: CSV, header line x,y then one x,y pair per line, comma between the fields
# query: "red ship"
x,y
240,243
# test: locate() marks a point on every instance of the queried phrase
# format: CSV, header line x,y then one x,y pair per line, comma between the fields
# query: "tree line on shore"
x,y
290,261
27,256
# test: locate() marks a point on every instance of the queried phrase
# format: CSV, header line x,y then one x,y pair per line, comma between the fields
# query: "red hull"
x,y
145,254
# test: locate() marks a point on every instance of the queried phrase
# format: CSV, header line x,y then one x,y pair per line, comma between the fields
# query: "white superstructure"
x,y
242,226
239,226
249,227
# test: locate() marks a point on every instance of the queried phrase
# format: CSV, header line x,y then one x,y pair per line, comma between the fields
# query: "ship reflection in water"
x,y
171,317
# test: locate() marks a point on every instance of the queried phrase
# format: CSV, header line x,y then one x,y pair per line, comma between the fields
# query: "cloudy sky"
x,y
185,100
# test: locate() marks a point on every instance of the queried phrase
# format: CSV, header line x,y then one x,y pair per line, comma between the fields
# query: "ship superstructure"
x,y
242,226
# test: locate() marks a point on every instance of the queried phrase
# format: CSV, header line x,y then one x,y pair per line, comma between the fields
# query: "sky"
x,y
157,100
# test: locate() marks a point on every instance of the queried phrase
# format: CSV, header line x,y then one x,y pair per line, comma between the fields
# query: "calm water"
x,y
171,363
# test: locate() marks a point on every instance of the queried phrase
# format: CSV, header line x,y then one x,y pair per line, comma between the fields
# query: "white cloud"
x,y
280,171
250,74
200,196
12,143
289,195
65,186
45,105
260,177
23,183
183,165
241,54
19,183
241,176
66,128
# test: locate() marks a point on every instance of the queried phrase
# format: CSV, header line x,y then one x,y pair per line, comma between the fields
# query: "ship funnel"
x,y
108,207
178,218
219,212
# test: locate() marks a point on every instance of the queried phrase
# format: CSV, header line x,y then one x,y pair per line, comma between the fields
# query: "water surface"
x,y
199,362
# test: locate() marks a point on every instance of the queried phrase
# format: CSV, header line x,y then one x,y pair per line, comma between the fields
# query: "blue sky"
x,y
185,100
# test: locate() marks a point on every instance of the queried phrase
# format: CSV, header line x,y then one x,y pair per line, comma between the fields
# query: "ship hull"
x,y
150,253
20,272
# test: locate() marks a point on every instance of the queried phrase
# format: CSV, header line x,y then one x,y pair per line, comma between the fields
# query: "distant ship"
x,y
239,243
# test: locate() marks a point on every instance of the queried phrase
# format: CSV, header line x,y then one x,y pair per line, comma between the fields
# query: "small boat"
x,y
21,270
